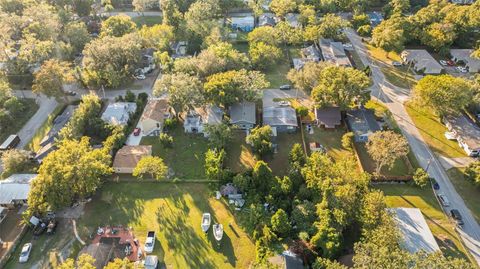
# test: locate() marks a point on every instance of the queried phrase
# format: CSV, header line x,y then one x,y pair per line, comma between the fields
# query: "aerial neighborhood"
x,y
240,134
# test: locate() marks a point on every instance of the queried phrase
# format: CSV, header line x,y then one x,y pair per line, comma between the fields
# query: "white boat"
x,y
206,219
218,231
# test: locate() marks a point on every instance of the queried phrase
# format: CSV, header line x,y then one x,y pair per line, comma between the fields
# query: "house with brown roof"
x,y
154,115
127,158
328,117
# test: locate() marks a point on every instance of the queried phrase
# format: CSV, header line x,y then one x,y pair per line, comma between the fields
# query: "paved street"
x,y
393,97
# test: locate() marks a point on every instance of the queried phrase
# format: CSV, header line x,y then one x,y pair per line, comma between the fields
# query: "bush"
x,y
302,111
421,178
472,172
347,140
170,123
129,96
166,140
360,20
364,30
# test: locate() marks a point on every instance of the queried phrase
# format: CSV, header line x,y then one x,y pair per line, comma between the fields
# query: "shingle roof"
x,y
119,113
156,109
128,156
280,116
242,112
328,116
422,60
59,122
334,52
15,187
362,121
463,55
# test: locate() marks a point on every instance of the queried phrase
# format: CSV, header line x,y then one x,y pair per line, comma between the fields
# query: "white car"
x,y
443,62
443,200
25,253
140,77
462,69
450,136
397,63
284,103
150,242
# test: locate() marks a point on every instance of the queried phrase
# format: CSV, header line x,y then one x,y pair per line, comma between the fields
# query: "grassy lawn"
x,y
405,195
382,56
356,59
467,190
277,74
147,20
433,132
174,211
34,144
30,109
331,140
240,157
241,46
186,156
278,162
399,167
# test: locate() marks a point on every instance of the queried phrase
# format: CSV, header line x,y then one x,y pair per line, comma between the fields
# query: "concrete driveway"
x,y
394,97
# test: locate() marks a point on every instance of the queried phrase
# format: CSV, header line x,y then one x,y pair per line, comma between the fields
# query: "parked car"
x,y
450,63
284,103
443,62
150,242
285,87
11,142
150,262
450,136
435,184
70,93
40,229
462,69
52,226
394,63
136,132
25,253
140,77
443,200
456,216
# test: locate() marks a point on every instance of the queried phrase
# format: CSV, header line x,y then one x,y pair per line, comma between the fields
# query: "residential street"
x,y
393,97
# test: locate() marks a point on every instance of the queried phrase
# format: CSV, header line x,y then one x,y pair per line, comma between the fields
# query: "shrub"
x,y
347,140
421,178
302,111
472,172
166,140
129,96
364,30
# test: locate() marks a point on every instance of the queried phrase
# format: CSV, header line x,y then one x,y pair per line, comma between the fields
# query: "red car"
x,y
451,63
136,132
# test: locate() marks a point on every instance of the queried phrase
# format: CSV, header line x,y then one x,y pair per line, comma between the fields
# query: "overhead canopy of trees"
x,y
86,116
118,26
306,78
389,35
158,36
261,139
385,147
152,166
51,78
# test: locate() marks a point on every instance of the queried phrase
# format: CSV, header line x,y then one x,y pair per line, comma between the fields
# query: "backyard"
x,y
406,195
147,20
433,132
186,156
278,161
174,212
30,109
331,140
399,169
240,157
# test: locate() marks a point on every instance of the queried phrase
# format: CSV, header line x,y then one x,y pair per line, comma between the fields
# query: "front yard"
x,y
186,156
174,212
433,132
406,195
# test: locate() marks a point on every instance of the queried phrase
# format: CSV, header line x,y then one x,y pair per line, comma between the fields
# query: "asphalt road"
x,y
394,97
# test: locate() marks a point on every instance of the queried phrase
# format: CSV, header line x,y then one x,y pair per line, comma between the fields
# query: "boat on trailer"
x,y
206,220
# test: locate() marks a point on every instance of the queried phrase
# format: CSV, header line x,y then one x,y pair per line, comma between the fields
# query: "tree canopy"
x,y
385,147
118,26
152,166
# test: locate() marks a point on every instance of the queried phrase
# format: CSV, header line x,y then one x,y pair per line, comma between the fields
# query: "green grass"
x,y
278,162
469,191
399,167
34,144
433,132
241,46
30,109
406,195
331,140
382,56
399,76
147,20
186,156
240,157
356,59
174,211
277,74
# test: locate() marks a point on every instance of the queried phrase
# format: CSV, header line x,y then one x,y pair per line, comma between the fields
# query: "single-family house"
x,y
196,119
292,20
334,52
244,23
328,117
375,18
466,132
415,233
147,64
119,113
421,61
267,19
298,63
128,156
464,56
155,113
243,115
311,53
14,190
282,118
287,260
362,123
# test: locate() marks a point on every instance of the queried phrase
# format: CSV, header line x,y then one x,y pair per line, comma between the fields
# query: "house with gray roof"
x,y
464,56
362,123
282,118
328,117
14,190
243,115
466,132
119,113
196,119
334,52
267,19
292,19
422,62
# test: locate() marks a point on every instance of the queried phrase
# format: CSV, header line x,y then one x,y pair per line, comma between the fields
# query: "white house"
x,y
422,61
14,190
466,132
128,156
155,113
119,113
196,119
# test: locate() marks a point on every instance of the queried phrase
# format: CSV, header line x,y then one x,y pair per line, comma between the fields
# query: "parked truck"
x,y
150,242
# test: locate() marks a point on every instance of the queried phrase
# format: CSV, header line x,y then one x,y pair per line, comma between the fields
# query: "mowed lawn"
x,y
406,195
433,132
240,156
278,162
331,140
467,189
186,156
174,212
399,168
147,20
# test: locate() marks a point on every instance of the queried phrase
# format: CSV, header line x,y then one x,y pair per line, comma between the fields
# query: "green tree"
x,y
341,86
202,16
185,91
15,161
214,164
306,78
385,147
265,34
307,14
262,178
280,223
219,135
439,36
84,261
472,172
52,76
359,20
152,166
389,35
322,263
166,140
158,36
261,139
331,26
121,264
117,26
143,5
443,94
347,140
421,178
282,7
373,210
85,116
263,55
76,34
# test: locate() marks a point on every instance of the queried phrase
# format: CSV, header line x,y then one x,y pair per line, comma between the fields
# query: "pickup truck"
x,y
150,242
151,262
